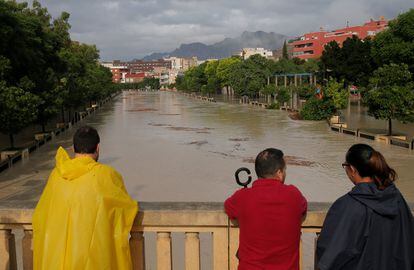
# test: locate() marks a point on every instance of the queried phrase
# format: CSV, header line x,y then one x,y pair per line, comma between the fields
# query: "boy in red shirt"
x,y
269,214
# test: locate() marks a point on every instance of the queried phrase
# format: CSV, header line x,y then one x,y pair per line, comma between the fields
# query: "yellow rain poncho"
x,y
83,218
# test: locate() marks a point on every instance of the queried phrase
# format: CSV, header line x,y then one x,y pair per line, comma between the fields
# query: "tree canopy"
x,y
42,71
391,94
396,44
352,62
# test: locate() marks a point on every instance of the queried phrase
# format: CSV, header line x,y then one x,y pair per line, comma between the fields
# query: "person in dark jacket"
x,y
371,227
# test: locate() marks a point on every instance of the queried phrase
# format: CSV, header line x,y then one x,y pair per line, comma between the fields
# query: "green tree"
x,y
396,44
332,59
282,95
213,81
40,63
311,66
153,83
317,109
269,90
297,61
285,54
18,108
4,66
240,77
180,83
31,40
286,66
224,70
352,62
306,91
84,80
358,63
335,99
76,57
195,78
250,76
337,94
391,94
97,84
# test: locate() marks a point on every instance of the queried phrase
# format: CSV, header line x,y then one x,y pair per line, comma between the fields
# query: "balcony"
x,y
161,219
305,45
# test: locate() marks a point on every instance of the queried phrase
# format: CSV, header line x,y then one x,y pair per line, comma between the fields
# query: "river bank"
x,y
368,127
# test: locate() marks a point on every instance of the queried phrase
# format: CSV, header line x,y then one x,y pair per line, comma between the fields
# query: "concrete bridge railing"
x,y
161,219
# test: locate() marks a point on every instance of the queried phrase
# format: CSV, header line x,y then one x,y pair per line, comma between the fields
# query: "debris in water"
x,y
295,116
239,139
249,160
143,110
290,160
189,129
204,130
198,143
159,125
223,154
238,147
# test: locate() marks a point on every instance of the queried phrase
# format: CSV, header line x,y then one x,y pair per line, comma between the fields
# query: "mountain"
x,y
226,47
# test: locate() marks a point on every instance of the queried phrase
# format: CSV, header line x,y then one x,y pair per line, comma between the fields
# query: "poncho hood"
x,y
70,169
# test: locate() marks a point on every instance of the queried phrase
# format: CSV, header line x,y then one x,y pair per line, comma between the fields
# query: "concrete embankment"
x,y
396,140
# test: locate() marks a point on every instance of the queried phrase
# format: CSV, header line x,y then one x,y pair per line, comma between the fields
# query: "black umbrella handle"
x,y
249,178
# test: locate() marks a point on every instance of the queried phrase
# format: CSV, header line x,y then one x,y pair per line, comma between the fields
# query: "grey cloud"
x,y
126,29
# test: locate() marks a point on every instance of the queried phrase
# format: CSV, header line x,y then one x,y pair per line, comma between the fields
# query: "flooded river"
x,y
169,147
356,116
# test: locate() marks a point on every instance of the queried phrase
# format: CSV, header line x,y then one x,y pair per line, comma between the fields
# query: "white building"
x,y
182,64
176,62
247,52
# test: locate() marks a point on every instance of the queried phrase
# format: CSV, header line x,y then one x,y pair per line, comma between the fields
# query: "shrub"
x,y
283,95
337,94
306,91
317,109
273,106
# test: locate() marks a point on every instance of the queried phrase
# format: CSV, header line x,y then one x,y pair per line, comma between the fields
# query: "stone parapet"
x,y
162,218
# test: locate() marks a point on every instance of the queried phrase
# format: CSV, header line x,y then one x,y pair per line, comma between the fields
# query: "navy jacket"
x,y
367,229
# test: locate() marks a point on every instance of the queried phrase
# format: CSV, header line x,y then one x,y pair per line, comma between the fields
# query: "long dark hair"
x,y
371,163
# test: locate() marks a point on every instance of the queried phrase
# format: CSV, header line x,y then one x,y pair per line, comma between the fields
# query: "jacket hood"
x,y
69,168
383,202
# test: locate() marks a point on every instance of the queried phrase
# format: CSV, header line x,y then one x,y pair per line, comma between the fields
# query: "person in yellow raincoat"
x,y
84,216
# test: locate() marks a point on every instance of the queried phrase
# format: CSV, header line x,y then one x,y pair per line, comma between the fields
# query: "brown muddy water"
x,y
169,147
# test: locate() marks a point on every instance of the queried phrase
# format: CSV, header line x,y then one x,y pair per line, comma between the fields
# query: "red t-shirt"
x,y
269,216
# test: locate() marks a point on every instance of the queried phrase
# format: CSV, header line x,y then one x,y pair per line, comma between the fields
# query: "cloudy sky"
x,y
128,29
